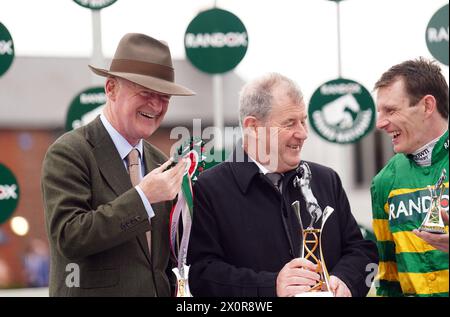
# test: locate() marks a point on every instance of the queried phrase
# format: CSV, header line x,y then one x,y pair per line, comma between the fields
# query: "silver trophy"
x,y
311,248
433,219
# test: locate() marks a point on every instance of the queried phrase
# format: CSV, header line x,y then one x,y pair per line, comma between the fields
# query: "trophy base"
x,y
315,294
433,229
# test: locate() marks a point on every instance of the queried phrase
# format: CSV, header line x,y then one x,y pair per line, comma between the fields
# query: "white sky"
x,y
297,38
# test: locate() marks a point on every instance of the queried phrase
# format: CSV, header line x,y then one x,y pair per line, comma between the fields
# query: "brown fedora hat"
x,y
145,61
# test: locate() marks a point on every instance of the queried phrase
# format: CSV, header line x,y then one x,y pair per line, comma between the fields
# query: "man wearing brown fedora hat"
x,y
106,191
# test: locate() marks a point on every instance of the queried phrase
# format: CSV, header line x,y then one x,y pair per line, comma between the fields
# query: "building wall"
x,y
22,151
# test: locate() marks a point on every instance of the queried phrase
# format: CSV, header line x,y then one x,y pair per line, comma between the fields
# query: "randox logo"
x,y
412,205
342,111
230,39
437,35
89,98
6,47
9,193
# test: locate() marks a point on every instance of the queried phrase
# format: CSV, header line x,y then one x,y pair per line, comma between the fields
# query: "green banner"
x,y
85,107
342,111
215,41
436,35
9,193
6,49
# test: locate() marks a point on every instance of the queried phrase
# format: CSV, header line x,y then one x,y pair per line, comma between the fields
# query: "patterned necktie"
x,y
135,177
276,179
133,167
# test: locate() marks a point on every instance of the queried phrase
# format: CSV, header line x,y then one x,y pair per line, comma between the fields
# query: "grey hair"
x,y
256,97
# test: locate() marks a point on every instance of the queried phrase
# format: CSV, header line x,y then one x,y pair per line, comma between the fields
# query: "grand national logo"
x,y
85,107
412,205
9,193
342,111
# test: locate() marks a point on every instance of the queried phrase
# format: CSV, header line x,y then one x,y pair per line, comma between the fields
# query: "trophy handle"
x,y
296,206
326,276
326,215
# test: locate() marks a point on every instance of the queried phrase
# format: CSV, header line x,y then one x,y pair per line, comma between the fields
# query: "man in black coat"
x,y
245,238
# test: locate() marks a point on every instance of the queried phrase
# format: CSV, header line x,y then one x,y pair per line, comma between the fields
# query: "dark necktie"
x,y
276,179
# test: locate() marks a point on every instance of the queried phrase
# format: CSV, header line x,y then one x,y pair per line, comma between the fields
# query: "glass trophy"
x,y
433,219
311,248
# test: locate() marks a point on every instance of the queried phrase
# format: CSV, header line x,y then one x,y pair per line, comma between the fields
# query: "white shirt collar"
x,y
121,144
423,155
262,169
